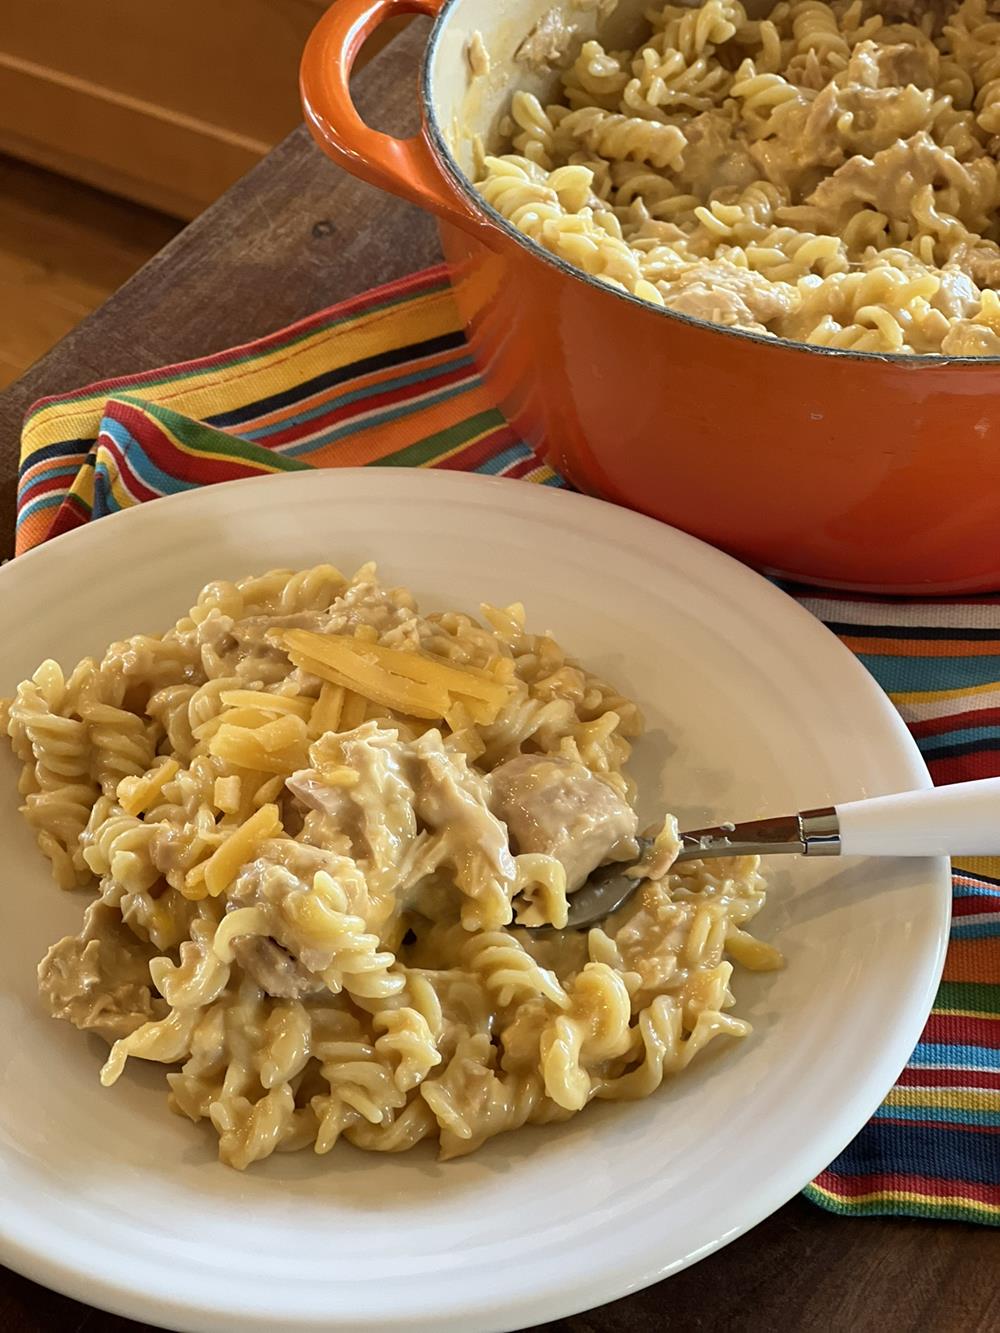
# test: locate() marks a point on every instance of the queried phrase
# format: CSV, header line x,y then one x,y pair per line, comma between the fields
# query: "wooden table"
x,y
297,234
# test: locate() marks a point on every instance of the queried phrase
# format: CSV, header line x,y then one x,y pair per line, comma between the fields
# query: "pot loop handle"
x,y
405,167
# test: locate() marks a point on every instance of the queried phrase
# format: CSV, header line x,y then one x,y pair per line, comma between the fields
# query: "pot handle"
x,y
405,167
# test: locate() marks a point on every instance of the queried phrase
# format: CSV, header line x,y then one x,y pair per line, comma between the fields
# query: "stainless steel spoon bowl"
x,y
811,833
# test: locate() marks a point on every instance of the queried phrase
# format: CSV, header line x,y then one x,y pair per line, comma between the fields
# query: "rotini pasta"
x,y
827,174
313,820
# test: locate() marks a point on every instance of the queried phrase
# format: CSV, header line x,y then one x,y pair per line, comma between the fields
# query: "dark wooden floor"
x,y
64,248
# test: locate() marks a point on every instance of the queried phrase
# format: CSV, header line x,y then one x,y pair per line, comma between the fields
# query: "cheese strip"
x,y
367,678
269,703
327,710
137,794
337,651
354,712
277,747
232,717
222,866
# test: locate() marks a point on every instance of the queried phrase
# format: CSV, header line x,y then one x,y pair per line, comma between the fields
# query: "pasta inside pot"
x,y
824,173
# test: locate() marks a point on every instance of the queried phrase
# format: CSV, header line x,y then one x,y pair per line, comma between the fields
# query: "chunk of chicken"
x,y
912,11
912,171
376,811
967,338
405,786
979,259
99,979
713,158
725,294
274,969
548,42
903,63
559,807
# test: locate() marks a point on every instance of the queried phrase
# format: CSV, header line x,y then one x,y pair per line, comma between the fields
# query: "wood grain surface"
x,y
64,249
295,235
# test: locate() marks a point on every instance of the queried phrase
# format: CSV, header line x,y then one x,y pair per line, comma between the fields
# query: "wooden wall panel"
x,y
164,101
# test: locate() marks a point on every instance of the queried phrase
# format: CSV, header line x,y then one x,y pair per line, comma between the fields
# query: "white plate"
x,y
753,707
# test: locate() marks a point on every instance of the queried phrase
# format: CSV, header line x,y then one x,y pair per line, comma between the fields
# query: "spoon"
x,y
959,820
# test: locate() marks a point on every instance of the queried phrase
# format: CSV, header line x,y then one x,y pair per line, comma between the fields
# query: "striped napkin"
x,y
386,380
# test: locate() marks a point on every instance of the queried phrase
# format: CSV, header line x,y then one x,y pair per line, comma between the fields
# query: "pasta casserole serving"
x,y
826,173
314,821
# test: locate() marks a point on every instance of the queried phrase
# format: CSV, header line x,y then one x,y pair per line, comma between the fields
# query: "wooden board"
x,y
295,235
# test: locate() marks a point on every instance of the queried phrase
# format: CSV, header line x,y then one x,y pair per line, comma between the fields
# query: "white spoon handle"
x,y
960,820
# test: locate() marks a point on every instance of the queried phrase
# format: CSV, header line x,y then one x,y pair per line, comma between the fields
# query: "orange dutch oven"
x,y
864,471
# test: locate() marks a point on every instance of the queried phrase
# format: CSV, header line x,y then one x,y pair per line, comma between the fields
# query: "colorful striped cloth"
x,y
386,380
